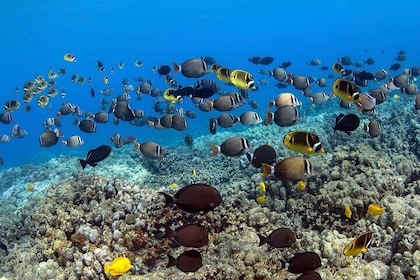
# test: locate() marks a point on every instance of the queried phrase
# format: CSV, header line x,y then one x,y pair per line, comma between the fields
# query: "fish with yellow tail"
x,y
347,211
169,95
359,245
242,79
375,209
118,266
304,142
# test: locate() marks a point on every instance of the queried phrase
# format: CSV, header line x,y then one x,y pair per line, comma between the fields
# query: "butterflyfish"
x,y
358,245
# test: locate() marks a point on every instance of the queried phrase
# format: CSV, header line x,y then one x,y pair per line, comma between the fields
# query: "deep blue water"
x,y
34,38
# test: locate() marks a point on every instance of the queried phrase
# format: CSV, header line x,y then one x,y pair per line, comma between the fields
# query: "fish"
x,y
149,149
314,62
290,169
338,68
375,209
263,154
4,248
304,262
96,155
224,103
223,74
345,60
49,138
260,199
194,198
6,117
286,116
346,90
346,123
347,211
88,125
188,139
279,238
232,147
242,79
212,125
179,123
266,60
69,57
30,187
227,120
416,103
373,128
262,187
188,235
363,75
301,185
100,66
254,59
73,141
250,118
1,161
300,82
11,105
304,142
279,74
370,61
285,99
309,275
394,67
43,101
192,68
359,245
118,266
189,261
138,63
285,64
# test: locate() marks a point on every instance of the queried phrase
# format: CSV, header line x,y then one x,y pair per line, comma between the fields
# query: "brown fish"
x,y
279,238
189,235
304,262
189,261
310,275
195,198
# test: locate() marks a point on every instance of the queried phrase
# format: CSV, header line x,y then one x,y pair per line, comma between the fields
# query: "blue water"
x,y
34,38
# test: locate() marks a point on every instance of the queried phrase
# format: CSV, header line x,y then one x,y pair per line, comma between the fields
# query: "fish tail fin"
x,y
83,163
267,169
136,145
177,68
64,142
209,104
171,261
366,128
263,240
169,200
214,149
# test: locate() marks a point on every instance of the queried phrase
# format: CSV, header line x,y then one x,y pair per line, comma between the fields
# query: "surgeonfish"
x,y
279,238
192,68
346,90
263,154
304,142
149,149
189,261
194,198
242,79
346,123
304,262
375,209
286,116
227,120
249,118
49,138
188,235
358,245
285,99
373,128
232,147
290,169
118,266
96,155
73,141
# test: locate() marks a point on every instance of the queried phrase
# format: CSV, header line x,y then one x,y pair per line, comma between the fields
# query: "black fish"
x,y
92,92
100,66
4,247
164,70
310,275
96,155
264,154
266,60
212,125
203,92
324,68
346,72
195,198
365,76
182,91
279,238
285,64
189,261
254,59
395,67
189,235
304,262
1,161
346,123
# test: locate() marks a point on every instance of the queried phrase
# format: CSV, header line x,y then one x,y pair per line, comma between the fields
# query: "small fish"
x,y
347,211
375,209
301,185
260,199
4,247
69,57
118,266
262,187
358,245
30,187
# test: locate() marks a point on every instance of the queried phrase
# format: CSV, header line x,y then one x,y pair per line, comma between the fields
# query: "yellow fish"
x,y
304,142
396,96
223,74
194,172
242,79
168,95
262,187
118,266
301,185
261,199
174,185
347,211
30,187
375,209
346,90
358,245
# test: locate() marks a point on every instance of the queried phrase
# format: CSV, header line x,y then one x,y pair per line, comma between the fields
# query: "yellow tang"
x,y
30,187
301,185
261,199
303,142
347,211
262,187
346,90
242,79
375,209
358,245
118,266
223,74
168,95
69,57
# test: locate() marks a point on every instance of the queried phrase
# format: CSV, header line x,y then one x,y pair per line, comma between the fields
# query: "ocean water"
x,y
35,37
